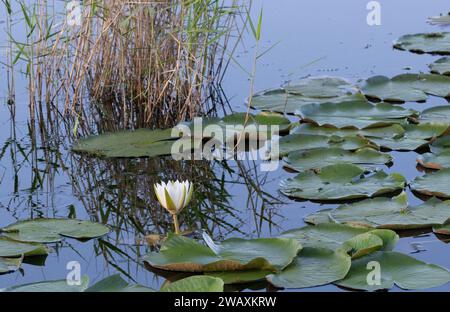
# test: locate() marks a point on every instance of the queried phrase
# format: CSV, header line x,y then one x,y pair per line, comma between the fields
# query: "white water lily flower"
x,y
174,195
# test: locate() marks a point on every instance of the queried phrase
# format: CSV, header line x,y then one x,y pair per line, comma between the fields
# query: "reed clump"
x,y
128,64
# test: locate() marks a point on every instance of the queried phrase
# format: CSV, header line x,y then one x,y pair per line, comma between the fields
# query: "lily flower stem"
x,y
176,224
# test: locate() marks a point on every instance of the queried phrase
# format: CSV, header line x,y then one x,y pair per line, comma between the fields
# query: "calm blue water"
x,y
333,35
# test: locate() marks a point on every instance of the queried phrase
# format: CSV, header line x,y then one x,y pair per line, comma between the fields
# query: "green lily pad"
x,y
436,114
356,114
300,142
435,161
198,283
341,181
440,145
441,66
313,267
309,90
393,131
239,277
415,137
433,43
339,236
51,286
138,143
183,254
9,264
407,87
442,229
392,213
433,184
52,230
395,269
115,283
12,248
319,158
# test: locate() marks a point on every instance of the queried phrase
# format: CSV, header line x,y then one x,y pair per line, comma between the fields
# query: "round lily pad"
x,y
440,145
407,87
436,114
319,158
199,283
300,142
307,91
441,66
239,277
12,248
355,114
313,267
393,131
435,161
433,184
341,181
51,286
388,213
183,254
433,43
51,230
394,269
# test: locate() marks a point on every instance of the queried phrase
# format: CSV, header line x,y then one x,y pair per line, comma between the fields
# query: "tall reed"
x,y
128,64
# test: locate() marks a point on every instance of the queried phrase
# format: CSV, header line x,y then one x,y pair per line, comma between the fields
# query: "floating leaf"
x,y
138,143
338,236
115,283
441,66
182,254
341,181
12,248
433,43
51,286
393,131
319,158
407,87
238,277
437,114
442,229
395,268
300,142
440,19
9,264
440,145
435,161
309,90
313,267
356,114
199,283
433,184
51,230
415,137
392,213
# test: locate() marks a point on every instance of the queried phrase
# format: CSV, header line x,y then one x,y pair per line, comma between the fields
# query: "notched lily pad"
x,y
384,269
339,182
319,158
51,230
313,267
441,66
433,184
307,91
407,87
183,254
433,43
356,114
198,283
300,142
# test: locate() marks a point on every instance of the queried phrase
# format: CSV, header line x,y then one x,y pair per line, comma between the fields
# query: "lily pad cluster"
x,y
307,257
28,238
